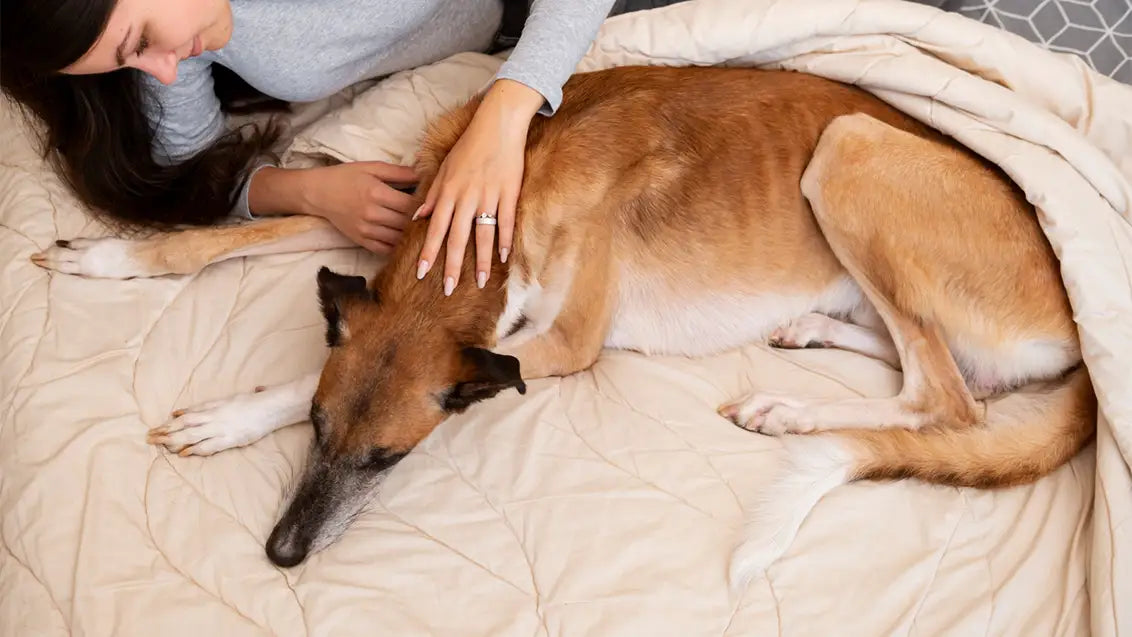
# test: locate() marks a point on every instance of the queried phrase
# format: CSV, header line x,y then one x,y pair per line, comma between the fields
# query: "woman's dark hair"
x,y
94,129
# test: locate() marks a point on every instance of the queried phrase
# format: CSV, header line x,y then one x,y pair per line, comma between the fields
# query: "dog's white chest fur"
x,y
652,318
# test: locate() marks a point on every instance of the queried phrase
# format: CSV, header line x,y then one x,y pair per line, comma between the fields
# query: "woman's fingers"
x,y
381,216
377,247
384,234
485,238
426,209
396,200
461,228
391,173
508,200
438,224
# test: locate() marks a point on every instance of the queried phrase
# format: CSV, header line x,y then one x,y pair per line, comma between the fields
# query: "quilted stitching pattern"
x,y
604,503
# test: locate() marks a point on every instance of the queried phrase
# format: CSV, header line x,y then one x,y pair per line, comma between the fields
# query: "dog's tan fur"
x,y
694,184
188,251
968,258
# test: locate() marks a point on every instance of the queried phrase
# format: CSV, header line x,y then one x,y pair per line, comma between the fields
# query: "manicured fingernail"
x,y
481,279
417,213
449,285
503,252
422,269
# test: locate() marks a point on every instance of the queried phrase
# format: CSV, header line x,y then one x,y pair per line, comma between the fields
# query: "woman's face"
x,y
155,35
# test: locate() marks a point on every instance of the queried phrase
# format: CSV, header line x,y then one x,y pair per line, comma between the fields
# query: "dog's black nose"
x,y
286,547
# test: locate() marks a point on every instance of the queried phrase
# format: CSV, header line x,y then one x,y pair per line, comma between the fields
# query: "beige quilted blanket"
x,y
605,503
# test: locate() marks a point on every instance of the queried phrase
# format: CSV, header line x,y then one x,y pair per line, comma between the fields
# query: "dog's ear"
x,y
334,290
488,374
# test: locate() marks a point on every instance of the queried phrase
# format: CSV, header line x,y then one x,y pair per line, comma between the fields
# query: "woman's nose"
x,y
162,66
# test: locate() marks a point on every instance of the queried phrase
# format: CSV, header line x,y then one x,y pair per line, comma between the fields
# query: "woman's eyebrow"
x,y
120,54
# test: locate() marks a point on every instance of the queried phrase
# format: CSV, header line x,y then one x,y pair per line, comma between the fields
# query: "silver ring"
x,y
484,219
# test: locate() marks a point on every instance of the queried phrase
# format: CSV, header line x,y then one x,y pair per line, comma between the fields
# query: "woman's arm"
x,y
483,172
555,37
359,198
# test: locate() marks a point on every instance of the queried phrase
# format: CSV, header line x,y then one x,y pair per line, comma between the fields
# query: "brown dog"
x,y
687,211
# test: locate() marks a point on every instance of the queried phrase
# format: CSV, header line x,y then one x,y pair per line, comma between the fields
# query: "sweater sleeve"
x,y
186,117
554,39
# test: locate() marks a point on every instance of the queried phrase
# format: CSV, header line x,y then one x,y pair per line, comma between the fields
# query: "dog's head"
x,y
393,374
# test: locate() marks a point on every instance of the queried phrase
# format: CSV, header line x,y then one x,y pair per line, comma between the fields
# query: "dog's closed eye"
x,y
318,421
380,459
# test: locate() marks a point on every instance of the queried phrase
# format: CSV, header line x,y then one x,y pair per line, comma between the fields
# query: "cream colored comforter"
x,y
605,503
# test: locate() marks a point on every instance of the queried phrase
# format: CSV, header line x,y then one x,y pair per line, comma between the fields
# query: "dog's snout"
x,y
329,495
286,547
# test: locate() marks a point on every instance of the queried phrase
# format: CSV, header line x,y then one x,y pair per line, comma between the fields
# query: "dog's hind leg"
x,y
934,393
954,262
854,196
188,251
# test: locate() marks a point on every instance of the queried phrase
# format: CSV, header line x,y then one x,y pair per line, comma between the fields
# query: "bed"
x,y
604,503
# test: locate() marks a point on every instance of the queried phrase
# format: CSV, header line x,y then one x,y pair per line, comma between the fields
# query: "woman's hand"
x,y
480,175
359,198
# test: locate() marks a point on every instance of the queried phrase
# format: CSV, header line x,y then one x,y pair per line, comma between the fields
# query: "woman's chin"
x,y
217,36
212,42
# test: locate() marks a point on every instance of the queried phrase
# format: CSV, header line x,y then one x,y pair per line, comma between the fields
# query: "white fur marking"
x,y
541,306
814,466
237,421
519,293
107,258
1014,363
653,319
542,310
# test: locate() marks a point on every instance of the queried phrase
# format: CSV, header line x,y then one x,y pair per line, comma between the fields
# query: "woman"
x,y
133,116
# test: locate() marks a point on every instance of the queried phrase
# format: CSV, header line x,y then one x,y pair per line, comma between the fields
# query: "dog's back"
x,y
685,182
681,164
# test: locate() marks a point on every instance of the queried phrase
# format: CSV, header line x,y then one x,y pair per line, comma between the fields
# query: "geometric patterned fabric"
x,y
1099,31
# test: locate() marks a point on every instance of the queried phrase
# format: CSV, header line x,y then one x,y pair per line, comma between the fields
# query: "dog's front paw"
x,y
107,258
223,424
770,414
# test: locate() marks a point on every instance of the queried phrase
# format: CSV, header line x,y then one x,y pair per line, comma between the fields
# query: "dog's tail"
x,y
1024,436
